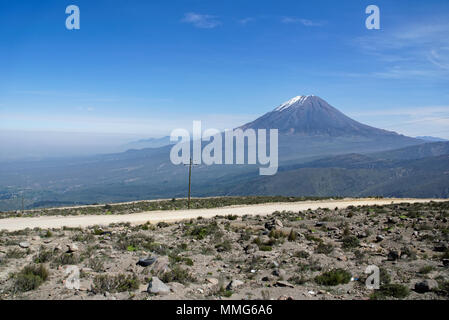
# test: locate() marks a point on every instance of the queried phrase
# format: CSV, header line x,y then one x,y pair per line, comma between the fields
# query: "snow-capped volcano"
x,y
312,116
296,101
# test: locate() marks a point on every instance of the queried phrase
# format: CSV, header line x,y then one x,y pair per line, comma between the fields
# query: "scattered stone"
x,y
234,284
72,248
426,286
145,262
284,298
266,278
156,286
24,244
284,284
440,248
251,248
393,255
212,281
279,273
380,238
274,224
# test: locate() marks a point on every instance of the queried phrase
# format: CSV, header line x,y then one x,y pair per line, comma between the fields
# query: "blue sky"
x,y
143,68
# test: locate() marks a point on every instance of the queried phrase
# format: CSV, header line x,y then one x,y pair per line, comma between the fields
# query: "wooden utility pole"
x,y
190,180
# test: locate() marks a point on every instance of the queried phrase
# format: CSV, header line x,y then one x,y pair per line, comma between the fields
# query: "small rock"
x,y
280,273
393,255
212,281
274,224
284,284
266,278
392,220
426,286
284,298
251,248
24,245
234,284
145,262
72,248
156,286
176,286
440,248
380,238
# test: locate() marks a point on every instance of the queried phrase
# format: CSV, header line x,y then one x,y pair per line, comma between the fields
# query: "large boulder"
x,y
156,286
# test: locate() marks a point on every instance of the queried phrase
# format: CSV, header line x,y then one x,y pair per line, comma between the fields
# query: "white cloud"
x,y
204,21
416,49
247,20
304,22
416,121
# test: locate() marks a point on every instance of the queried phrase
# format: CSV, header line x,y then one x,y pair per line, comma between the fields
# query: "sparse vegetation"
x,y
333,277
30,278
301,248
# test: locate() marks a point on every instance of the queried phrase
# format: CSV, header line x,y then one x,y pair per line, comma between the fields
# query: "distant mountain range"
x,y
431,139
321,152
417,171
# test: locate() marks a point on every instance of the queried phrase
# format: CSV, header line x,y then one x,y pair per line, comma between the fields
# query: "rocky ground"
x,y
313,254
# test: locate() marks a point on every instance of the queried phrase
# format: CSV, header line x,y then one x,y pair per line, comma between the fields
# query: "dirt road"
x,y
45,222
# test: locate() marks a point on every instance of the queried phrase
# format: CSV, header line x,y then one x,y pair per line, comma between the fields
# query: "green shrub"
x,y
333,277
30,277
118,283
66,259
96,264
302,254
324,248
200,232
15,254
292,236
43,256
177,274
224,246
390,290
426,269
350,242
